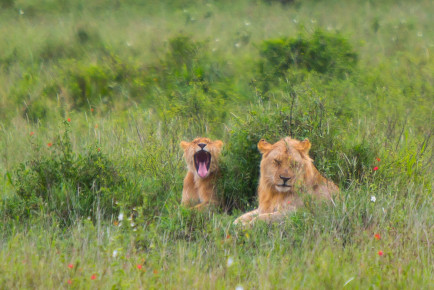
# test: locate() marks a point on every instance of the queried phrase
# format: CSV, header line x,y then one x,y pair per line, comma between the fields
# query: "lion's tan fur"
x,y
288,158
200,191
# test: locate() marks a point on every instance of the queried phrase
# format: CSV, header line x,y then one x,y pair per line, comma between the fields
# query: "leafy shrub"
x,y
322,52
191,84
111,80
188,60
183,53
36,110
193,104
342,160
7,3
90,84
68,185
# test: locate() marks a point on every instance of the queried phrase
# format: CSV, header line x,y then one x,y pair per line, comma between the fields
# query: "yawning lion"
x,y
201,156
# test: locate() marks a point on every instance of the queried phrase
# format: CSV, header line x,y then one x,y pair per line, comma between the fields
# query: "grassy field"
x,y
95,97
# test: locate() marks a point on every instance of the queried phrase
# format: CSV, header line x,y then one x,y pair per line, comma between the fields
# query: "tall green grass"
x,y
114,86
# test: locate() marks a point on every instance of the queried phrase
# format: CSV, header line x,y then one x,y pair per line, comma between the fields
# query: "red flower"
x,y
93,277
50,144
69,119
289,202
228,237
139,266
32,133
380,253
378,159
155,272
70,266
69,282
99,149
375,168
96,126
377,237
91,109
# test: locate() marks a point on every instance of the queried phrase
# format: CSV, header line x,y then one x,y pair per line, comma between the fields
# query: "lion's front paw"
x,y
253,221
245,221
241,221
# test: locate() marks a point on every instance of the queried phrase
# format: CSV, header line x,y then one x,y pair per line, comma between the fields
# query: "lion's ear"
x,y
218,144
184,145
305,146
264,146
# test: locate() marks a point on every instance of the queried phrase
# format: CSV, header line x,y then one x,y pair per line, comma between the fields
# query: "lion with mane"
x,y
286,173
201,156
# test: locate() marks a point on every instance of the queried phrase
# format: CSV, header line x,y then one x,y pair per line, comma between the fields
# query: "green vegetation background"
x,y
95,97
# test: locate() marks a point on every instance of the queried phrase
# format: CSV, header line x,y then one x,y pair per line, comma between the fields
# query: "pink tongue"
x,y
202,171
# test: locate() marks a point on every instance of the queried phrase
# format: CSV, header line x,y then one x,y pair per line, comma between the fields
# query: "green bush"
x,y
191,84
322,52
90,84
342,160
188,61
36,110
67,185
7,3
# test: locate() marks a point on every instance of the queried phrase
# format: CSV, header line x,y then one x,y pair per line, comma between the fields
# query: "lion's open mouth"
x,y
202,161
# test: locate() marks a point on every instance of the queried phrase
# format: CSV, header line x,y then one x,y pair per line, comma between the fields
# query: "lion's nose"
x,y
201,145
285,179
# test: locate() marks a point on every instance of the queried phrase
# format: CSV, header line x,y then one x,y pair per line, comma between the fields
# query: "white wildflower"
x,y
373,199
21,12
237,44
115,253
121,216
239,287
230,261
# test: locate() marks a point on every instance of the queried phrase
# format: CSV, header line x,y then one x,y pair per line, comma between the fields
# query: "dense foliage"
x,y
95,97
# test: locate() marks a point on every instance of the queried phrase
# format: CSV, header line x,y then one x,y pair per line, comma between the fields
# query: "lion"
x,y
201,156
286,173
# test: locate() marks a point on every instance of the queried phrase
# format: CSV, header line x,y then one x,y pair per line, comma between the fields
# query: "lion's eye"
x,y
277,162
